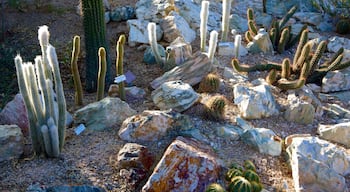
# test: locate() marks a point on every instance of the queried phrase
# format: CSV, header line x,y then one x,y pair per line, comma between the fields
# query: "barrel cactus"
x,y
209,84
215,187
215,108
239,184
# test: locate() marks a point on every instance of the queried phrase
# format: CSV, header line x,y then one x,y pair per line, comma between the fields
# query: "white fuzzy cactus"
x,y
152,38
238,40
204,21
213,41
226,8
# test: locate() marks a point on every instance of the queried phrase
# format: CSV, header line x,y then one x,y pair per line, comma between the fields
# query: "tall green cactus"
x,y
119,65
203,27
95,37
75,71
102,63
47,127
252,29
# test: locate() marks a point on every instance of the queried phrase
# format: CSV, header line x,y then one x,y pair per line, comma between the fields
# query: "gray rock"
x,y
152,125
238,23
227,49
261,43
296,28
177,53
309,18
318,165
138,32
148,56
339,133
299,111
107,17
229,131
174,95
123,13
192,71
11,142
83,188
264,140
307,95
338,111
104,114
133,155
335,43
279,7
175,26
336,81
234,76
263,19
245,125
254,102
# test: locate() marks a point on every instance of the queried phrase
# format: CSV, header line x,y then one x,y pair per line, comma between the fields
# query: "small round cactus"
x,y
343,26
215,108
249,165
239,184
256,187
215,187
251,175
209,84
233,173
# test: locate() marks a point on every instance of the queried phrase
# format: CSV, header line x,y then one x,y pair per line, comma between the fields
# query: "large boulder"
x,y
254,102
175,26
318,165
299,111
104,114
174,95
186,165
191,71
336,81
11,142
138,32
339,133
133,155
335,43
152,125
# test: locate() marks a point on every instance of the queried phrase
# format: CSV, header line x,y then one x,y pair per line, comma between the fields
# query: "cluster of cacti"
x,y
36,82
280,34
240,179
119,65
75,71
214,108
102,63
209,84
304,69
343,26
95,37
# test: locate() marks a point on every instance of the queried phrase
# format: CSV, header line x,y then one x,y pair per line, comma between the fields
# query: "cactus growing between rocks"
x,y
203,27
251,175
47,127
226,8
101,73
252,29
239,184
215,187
119,65
231,173
209,84
212,45
215,108
75,71
152,38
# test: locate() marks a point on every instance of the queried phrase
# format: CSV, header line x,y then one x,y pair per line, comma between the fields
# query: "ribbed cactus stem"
x,y
152,38
44,36
101,73
226,8
283,40
286,18
203,27
302,42
119,63
75,71
252,28
212,45
46,137
53,132
61,101
250,14
321,48
285,68
237,45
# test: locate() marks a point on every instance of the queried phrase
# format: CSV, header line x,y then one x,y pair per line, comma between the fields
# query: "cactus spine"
x,y
95,37
209,84
226,8
47,128
75,71
204,20
215,108
119,65
101,73
152,38
212,45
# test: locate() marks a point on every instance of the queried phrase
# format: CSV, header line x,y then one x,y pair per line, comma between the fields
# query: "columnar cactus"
x,y
101,73
75,71
238,40
212,45
95,37
119,65
47,127
204,20
226,8
152,38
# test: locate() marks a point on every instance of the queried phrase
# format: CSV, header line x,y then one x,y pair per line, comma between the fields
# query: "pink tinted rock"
x,y
186,165
15,113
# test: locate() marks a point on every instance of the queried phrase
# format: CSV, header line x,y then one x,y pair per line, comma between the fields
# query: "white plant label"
x,y
119,79
79,129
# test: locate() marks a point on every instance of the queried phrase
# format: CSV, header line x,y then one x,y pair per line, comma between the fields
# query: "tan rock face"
x,y
187,165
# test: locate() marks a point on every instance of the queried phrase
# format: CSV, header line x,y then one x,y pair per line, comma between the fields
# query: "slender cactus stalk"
x,y
152,38
75,71
203,27
226,8
119,65
101,73
238,40
212,45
